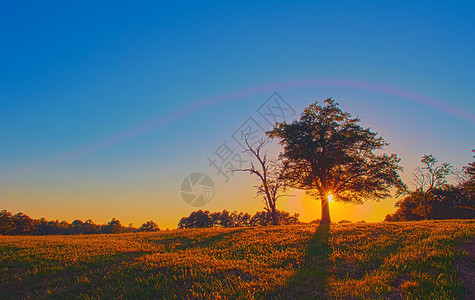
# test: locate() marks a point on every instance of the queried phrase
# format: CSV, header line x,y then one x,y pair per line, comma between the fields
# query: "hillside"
x,y
373,260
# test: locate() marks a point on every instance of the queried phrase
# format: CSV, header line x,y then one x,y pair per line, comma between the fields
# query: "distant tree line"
x,y
449,202
224,219
22,224
434,198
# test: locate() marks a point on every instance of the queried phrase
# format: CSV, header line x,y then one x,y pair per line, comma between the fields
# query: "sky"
x,y
105,108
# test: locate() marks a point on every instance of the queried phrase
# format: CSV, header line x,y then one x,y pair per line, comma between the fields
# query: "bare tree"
x,y
268,173
430,176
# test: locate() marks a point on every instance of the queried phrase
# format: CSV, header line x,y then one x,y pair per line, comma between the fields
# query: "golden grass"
x,y
356,260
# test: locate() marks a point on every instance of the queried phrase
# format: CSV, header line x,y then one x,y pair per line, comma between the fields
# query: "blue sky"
x,y
73,74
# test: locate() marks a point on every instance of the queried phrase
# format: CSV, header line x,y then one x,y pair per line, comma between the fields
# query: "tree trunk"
x,y
325,211
426,212
274,217
271,209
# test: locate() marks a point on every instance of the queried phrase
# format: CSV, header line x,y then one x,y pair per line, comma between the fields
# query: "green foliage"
x,y
433,197
21,224
264,218
469,184
149,226
197,219
225,219
6,222
433,175
430,176
114,226
328,152
448,202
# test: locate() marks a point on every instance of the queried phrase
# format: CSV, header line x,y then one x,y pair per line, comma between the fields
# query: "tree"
x,y
408,209
114,226
285,218
469,182
225,219
6,222
268,173
222,219
448,202
89,227
327,152
149,226
261,218
76,227
197,219
22,224
241,219
264,218
430,176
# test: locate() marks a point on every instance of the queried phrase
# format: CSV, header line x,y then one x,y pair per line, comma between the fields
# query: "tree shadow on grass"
x,y
311,278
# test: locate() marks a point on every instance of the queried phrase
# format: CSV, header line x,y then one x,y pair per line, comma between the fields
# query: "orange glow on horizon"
x,y
309,208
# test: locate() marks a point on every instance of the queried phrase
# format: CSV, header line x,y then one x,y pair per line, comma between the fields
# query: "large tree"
x,y
327,152
430,176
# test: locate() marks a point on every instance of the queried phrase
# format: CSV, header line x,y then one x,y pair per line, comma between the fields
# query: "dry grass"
x,y
376,260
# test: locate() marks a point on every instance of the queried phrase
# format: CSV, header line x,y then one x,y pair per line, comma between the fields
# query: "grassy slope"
x,y
374,260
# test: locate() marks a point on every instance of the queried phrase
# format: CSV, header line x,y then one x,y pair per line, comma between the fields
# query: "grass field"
x,y
355,260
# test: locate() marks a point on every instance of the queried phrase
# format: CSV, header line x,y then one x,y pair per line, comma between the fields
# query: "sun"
x,y
330,198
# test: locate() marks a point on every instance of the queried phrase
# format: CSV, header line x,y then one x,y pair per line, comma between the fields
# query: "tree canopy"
x,y
430,176
22,224
434,198
224,219
327,152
